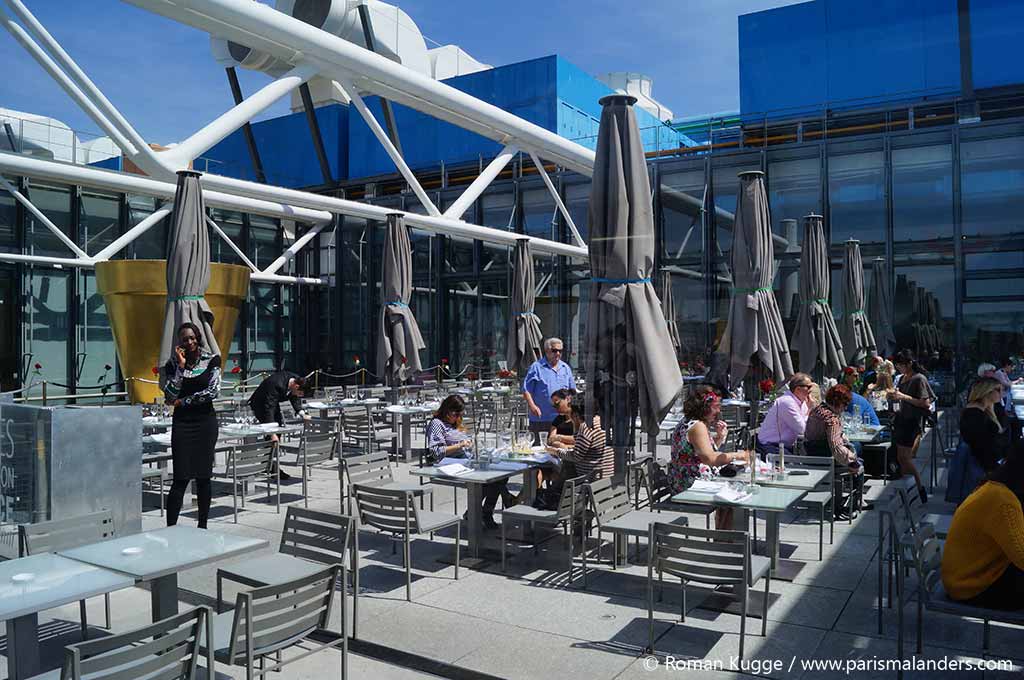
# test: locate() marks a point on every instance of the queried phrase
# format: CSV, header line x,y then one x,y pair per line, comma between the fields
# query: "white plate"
x,y
131,551
23,578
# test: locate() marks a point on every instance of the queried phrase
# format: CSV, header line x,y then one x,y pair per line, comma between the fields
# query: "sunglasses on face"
x,y
555,350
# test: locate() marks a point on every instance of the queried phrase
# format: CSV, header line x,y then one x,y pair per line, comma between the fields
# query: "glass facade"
x,y
941,206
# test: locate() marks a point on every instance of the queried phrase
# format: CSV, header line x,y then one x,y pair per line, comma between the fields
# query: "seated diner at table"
x,y
824,433
787,416
695,444
563,427
983,557
590,455
446,438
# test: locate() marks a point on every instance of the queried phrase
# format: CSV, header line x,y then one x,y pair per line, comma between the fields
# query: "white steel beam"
x,y
133,233
64,238
480,184
231,244
385,141
558,200
293,249
265,29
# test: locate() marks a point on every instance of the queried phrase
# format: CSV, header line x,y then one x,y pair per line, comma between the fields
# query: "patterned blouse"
x,y
825,427
441,435
196,385
686,467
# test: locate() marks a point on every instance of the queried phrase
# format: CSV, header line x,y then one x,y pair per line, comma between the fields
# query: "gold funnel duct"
x,y
135,294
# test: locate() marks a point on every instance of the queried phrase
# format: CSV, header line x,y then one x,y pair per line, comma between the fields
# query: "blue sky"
x,y
163,78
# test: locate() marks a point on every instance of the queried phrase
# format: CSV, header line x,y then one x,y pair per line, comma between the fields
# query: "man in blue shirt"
x,y
547,375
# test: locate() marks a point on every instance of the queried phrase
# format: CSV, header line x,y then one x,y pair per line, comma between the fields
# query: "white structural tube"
x,y
27,204
133,233
294,205
263,28
480,184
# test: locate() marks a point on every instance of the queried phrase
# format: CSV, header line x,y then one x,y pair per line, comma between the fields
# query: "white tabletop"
x,y
372,401
164,551
404,409
47,580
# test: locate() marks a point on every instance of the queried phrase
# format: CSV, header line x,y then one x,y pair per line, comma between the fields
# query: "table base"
x,y
163,593
23,646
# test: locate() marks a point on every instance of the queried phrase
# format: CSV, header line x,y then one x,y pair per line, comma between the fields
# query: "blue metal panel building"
x,y
847,53
549,91
997,31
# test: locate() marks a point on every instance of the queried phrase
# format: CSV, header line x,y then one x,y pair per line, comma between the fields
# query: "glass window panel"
x,y
95,339
997,260
99,215
726,185
992,174
939,281
152,245
498,208
46,328
11,316
462,335
682,195
994,288
794,191
493,323
8,218
55,203
577,202
540,215
856,194
458,251
230,223
922,194
993,329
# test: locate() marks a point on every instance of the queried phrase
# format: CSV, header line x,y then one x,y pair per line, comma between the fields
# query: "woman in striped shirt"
x,y
447,439
590,453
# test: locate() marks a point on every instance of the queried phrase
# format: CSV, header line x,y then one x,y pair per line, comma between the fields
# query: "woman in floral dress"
x,y
695,453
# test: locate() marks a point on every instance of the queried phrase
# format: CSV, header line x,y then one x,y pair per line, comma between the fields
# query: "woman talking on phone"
x,y
192,378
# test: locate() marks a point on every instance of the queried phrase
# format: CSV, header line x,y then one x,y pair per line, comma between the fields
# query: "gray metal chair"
x,y
64,534
155,476
394,512
659,492
822,498
310,540
571,505
167,649
359,428
271,619
375,470
247,462
712,557
316,446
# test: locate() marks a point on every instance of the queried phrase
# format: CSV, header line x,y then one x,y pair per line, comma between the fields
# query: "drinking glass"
x,y
544,439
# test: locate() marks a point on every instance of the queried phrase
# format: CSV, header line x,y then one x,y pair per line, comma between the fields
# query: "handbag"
x,y
965,474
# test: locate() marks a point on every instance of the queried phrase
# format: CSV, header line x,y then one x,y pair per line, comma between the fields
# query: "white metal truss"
x,y
310,51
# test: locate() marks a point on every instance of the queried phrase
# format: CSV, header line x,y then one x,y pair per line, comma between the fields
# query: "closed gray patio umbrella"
x,y
858,339
815,336
524,335
754,330
628,351
668,308
188,268
400,340
880,309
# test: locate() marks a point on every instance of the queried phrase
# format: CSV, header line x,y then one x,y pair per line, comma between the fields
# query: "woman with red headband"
x,y
695,444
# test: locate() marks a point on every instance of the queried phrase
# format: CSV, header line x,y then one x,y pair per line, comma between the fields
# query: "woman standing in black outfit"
x,y
192,378
914,400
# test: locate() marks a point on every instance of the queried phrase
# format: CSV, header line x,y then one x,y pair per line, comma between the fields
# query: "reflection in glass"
x,y
922,194
992,171
856,194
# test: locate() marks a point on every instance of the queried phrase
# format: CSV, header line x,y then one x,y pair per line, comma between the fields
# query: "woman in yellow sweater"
x,y
983,560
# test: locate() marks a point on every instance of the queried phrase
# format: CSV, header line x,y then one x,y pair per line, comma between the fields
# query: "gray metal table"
x,y
33,584
474,482
159,555
804,479
773,501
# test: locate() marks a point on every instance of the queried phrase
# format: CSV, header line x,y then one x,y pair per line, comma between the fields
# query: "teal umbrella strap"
x,y
187,297
399,303
748,291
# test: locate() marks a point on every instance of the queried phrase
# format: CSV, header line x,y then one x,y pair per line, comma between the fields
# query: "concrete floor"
x,y
530,623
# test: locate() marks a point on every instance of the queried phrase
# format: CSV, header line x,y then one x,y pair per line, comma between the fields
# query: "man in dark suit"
x,y
265,402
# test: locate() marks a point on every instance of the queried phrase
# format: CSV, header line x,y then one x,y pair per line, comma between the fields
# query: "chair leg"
x,y
106,608
764,610
408,568
682,601
458,545
305,486
220,592
743,617
84,619
502,545
821,532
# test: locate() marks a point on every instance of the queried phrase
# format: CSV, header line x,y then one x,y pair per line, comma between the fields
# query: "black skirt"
x,y
193,439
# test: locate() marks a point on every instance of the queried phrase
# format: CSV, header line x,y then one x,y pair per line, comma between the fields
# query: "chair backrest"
x,y
249,459
317,536
275,617
64,534
372,469
320,426
357,424
608,500
574,497
318,447
928,565
167,649
710,556
389,510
